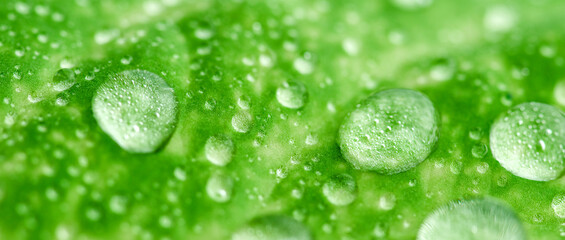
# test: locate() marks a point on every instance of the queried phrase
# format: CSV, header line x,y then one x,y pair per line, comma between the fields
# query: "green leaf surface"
x,y
269,83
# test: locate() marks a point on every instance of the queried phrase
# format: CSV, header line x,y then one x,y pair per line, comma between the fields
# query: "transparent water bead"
x,y
273,227
219,150
480,219
63,79
137,109
242,121
340,190
219,187
558,205
529,141
390,132
292,94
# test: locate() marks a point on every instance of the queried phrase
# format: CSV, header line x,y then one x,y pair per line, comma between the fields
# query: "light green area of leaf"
x,y
62,176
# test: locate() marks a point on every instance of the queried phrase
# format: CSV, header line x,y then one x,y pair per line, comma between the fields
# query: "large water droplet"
x,y
273,227
472,219
292,94
137,109
390,132
521,142
219,187
340,190
219,150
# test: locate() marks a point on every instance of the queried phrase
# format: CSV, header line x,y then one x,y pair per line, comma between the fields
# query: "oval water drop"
x,y
558,205
219,150
63,79
520,141
137,109
340,190
390,132
219,187
292,94
273,227
472,219
242,121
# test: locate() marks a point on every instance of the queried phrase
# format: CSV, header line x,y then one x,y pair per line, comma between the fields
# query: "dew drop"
x,y
63,79
219,150
242,121
442,70
292,94
179,174
519,141
412,4
499,19
559,92
479,150
303,66
390,132
127,107
273,227
350,46
558,205
340,190
117,204
219,187
482,219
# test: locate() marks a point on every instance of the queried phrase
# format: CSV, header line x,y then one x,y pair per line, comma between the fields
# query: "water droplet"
x,y
22,8
105,36
380,230
93,214
219,187
126,60
479,150
243,103
442,70
558,205
499,19
63,79
559,92
519,141
136,100
475,133
311,139
179,174
51,194
203,34
481,219
387,201
412,4
165,222
340,190
303,66
350,46
273,227
547,51
117,204
242,121
292,94
390,132
219,150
